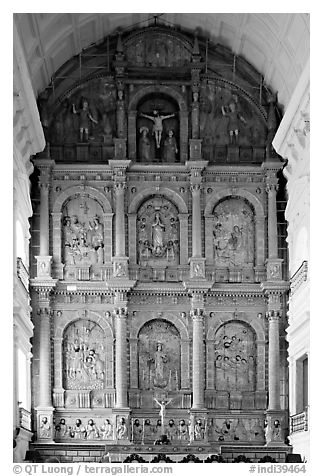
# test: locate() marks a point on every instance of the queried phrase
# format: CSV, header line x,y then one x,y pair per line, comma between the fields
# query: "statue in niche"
x,y
233,234
85,119
157,119
234,369
158,230
78,431
158,233
83,243
107,106
231,111
106,430
159,360
122,429
83,348
62,430
45,428
136,430
171,430
145,146
199,430
92,431
170,147
183,433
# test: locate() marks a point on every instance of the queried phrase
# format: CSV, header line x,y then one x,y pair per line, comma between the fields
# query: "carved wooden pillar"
x,y
58,392
185,364
198,358
273,360
121,358
134,358
195,116
132,231
271,187
209,252
45,399
121,116
196,221
183,233
119,189
210,377
107,227
183,135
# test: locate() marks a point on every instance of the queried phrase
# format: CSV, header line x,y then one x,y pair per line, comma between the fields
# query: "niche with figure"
x,y
233,234
83,356
159,351
82,232
158,130
158,233
235,357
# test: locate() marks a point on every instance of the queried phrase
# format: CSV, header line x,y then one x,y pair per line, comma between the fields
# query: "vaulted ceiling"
x,y
276,44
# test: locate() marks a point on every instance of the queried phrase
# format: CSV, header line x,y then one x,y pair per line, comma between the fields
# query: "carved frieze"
x,y
235,357
159,356
158,233
233,234
83,235
84,356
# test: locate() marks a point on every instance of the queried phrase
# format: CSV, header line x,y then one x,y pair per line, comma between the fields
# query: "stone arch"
x,y
167,192
183,117
239,192
252,322
106,327
180,326
64,322
256,206
160,88
76,189
177,200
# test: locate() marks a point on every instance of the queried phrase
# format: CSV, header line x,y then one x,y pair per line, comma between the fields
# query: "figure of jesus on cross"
x,y
162,413
158,124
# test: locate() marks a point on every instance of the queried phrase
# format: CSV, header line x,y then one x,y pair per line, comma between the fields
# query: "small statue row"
x,y
91,431
182,431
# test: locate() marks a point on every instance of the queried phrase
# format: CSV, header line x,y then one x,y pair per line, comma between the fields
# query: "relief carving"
x,y
233,234
159,356
158,233
83,233
235,357
83,356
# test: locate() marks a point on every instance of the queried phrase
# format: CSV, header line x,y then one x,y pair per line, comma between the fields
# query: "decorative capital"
x,y
120,187
195,189
120,312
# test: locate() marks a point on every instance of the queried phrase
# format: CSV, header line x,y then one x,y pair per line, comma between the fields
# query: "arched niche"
x,y
84,356
254,205
235,357
157,94
159,356
158,233
176,201
95,204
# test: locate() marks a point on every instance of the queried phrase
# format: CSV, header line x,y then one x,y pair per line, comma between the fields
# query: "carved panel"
x,y
158,233
83,356
236,429
83,236
159,356
235,357
157,50
233,234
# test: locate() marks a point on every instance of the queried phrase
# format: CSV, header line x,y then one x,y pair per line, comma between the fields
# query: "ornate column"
x,y
120,142
196,67
120,260
44,407
198,355
197,263
274,263
120,315
274,415
44,260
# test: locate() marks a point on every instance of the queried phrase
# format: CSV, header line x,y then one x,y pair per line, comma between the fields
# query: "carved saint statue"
x,y
159,360
158,124
92,431
158,230
234,120
145,146
170,148
45,428
85,118
106,430
122,430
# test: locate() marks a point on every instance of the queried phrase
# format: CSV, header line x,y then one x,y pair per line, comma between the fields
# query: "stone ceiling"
x,y
276,44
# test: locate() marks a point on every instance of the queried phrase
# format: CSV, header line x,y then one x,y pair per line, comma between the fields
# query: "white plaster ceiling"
x,y
276,44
